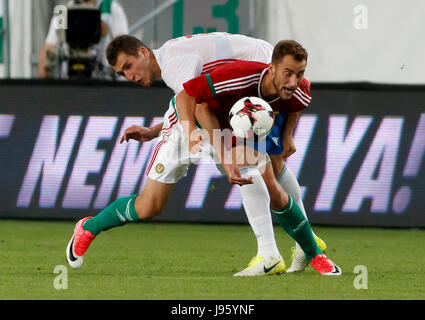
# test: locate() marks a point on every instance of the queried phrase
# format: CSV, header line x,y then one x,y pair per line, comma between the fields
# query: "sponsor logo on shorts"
x,y
159,168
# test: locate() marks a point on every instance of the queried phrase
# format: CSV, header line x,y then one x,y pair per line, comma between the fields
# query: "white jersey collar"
x,y
259,87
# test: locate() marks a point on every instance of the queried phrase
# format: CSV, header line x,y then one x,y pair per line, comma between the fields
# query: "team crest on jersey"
x,y
159,168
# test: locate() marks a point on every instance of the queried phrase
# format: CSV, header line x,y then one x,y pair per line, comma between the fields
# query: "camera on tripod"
x,y
82,35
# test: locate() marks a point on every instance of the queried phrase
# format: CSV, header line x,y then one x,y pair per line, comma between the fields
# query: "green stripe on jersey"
x,y
211,85
173,103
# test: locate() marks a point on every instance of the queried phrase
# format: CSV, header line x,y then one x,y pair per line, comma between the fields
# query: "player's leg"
x,y
282,172
256,202
289,183
278,189
146,205
287,180
289,215
293,221
164,170
255,199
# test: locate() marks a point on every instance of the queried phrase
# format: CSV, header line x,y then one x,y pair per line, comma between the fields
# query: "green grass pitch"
x,y
158,261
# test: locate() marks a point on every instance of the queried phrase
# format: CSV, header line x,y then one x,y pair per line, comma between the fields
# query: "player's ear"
x,y
143,51
272,68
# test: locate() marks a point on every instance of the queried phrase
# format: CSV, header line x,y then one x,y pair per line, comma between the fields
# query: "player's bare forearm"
x,y
211,125
140,133
291,123
156,129
185,105
287,134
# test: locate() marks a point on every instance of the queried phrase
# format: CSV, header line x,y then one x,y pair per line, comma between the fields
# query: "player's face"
x,y
138,69
287,76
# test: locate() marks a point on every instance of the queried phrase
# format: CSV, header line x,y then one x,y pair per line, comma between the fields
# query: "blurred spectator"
x,y
113,23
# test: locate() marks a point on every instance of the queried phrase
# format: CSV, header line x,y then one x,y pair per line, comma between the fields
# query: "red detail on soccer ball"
x,y
250,109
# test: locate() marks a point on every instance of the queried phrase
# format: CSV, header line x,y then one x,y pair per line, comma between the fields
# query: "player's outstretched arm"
x,y
141,133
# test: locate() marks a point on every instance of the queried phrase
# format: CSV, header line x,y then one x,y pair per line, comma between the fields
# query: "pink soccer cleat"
x,y
78,245
325,266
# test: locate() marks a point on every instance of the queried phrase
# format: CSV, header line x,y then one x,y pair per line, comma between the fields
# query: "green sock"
x,y
119,212
292,220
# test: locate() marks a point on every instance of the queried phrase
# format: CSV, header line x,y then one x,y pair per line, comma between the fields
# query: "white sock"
x,y
256,201
290,184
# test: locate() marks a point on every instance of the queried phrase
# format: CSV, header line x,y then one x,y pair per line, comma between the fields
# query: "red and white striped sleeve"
x,y
225,79
302,97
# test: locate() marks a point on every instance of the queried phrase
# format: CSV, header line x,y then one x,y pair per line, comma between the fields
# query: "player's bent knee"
x,y
150,211
289,183
278,197
150,202
277,164
147,208
295,193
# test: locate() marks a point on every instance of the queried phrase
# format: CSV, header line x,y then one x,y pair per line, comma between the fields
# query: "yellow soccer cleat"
x,y
258,266
320,243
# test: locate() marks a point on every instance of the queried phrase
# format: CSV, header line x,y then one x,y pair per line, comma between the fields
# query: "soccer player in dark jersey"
x,y
282,85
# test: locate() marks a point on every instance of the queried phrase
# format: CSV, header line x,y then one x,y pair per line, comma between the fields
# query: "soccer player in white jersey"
x,y
176,62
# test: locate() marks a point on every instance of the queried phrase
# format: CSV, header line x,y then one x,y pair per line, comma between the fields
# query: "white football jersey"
x,y
185,58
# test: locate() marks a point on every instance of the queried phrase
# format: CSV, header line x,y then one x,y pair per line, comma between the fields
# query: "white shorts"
x,y
171,157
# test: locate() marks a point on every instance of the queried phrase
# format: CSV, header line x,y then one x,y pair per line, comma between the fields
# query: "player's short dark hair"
x,y
123,43
289,47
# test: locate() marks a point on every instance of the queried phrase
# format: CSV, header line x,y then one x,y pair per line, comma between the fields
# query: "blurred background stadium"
x,y
360,144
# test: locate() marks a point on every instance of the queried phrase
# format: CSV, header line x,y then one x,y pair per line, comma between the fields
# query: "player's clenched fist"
x,y
288,147
138,133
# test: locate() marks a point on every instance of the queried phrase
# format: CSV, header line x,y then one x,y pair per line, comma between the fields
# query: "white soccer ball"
x,y
251,117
